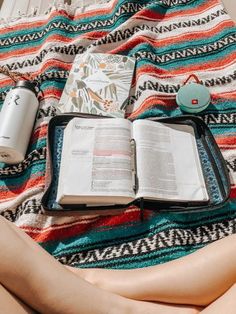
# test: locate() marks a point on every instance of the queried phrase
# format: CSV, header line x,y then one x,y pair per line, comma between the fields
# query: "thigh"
x,y
11,304
224,304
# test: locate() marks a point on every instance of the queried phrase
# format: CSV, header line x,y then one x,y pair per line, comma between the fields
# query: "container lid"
x,y
27,85
10,156
193,97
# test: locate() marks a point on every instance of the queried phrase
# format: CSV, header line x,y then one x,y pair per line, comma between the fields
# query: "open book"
x,y
115,161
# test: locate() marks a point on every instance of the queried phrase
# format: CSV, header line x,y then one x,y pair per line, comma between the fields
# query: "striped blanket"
x,y
170,39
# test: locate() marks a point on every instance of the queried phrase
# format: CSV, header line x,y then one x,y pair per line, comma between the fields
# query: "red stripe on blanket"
x,y
52,93
31,24
140,40
233,192
211,66
39,133
230,140
52,38
147,14
10,192
105,222
151,101
42,22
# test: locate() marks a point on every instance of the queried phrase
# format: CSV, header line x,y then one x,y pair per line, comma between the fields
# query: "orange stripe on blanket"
x,y
151,101
94,35
52,93
229,95
184,70
53,63
10,192
19,26
39,23
209,65
40,132
141,39
106,222
52,38
230,140
32,50
83,220
147,14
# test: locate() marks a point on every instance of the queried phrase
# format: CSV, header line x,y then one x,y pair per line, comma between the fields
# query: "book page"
x,y
97,161
168,164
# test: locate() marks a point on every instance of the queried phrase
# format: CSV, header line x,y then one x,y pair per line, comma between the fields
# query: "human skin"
x,y
206,278
32,280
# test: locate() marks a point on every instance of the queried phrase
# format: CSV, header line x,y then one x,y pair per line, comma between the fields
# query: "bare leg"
x,y
10,304
225,304
31,274
198,278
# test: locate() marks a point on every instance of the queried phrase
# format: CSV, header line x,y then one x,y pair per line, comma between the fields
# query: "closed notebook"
x,y
99,84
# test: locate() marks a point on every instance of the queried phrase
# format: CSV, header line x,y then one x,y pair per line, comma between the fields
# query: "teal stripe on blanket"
x,y
185,44
15,181
105,237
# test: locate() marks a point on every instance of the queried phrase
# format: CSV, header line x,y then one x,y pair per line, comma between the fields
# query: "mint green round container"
x,y
193,97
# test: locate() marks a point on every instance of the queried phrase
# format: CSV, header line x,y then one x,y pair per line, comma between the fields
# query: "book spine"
x,y
134,165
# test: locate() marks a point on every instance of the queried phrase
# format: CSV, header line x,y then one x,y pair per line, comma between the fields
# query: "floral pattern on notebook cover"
x,y
98,83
